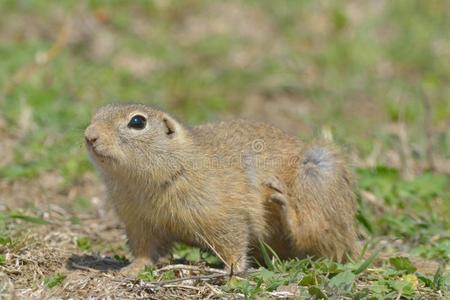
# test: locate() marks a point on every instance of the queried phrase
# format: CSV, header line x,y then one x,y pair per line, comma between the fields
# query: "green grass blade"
x,y
367,263
29,219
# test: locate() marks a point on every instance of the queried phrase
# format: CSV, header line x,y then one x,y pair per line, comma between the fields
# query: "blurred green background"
x,y
354,68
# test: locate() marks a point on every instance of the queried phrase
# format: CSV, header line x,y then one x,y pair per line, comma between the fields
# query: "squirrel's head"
x,y
135,139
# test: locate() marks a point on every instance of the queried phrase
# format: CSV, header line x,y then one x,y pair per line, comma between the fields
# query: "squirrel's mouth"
x,y
98,155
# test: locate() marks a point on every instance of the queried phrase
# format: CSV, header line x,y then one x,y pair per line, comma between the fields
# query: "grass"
x,y
324,279
54,280
372,75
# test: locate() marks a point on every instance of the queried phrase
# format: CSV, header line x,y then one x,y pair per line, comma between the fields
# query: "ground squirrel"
x,y
221,186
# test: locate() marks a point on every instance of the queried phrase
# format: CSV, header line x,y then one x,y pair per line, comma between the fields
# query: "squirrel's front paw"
x,y
133,269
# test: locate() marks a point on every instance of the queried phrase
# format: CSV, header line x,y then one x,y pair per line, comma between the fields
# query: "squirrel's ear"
x,y
171,126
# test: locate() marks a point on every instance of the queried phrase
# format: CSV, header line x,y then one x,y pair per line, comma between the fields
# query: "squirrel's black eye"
x,y
137,122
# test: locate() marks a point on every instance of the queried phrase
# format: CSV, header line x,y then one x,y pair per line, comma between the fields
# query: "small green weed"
x,y
122,259
84,244
5,240
54,280
148,274
82,204
401,263
194,255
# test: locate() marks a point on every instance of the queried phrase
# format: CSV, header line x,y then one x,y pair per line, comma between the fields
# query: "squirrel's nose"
x,y
90,136
90,140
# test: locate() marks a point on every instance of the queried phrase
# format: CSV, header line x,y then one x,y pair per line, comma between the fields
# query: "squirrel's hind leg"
x,y
318,212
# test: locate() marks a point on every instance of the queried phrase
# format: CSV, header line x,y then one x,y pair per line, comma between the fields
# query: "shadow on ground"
x,y
92,262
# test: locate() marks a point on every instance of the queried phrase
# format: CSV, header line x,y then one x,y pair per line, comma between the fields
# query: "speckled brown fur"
x,y
222,186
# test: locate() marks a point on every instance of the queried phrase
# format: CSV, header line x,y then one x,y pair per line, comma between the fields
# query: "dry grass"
x,y
40,251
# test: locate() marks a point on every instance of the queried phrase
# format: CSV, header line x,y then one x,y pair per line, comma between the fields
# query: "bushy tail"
x,y
326,204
